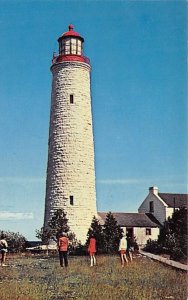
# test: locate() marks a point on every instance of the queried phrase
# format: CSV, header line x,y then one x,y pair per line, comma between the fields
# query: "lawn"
x,y
41,278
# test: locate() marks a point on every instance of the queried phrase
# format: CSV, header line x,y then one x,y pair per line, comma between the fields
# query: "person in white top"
x,y
4,249
122,250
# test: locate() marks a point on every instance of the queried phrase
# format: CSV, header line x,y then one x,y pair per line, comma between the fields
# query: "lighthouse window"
x,y
71,98
71,200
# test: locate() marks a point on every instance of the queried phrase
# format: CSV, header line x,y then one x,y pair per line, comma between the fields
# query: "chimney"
x,y
153,190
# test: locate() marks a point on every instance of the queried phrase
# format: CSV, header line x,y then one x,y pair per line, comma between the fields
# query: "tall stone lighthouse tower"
x,y
70,183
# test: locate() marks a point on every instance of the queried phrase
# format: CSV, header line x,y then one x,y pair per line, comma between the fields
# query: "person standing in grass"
x,y
4,249
130,247
92,250
63,244
122,250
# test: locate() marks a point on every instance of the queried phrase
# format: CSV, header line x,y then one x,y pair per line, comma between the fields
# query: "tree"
x,y
45,236
173,235
172,239
97,230
73,242
16,241
112,234
58,224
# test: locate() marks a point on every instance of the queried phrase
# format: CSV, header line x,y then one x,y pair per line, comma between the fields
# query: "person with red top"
x,y
63,244
92,250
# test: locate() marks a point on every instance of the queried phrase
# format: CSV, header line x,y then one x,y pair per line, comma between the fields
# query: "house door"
x,y
130,232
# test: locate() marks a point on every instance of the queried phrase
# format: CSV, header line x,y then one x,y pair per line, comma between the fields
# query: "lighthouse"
x,y
70,182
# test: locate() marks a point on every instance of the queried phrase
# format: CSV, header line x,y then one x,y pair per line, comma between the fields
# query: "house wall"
x,y
141,237
169,212
159,207
140,234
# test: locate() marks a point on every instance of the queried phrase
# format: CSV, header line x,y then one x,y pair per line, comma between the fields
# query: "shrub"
x,y
153,246
173,237
177,254
16,241
79,250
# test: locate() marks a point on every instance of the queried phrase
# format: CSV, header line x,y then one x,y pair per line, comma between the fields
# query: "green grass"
x,y
36,278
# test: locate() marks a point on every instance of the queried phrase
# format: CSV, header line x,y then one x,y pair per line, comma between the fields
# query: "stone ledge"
x,y
169,262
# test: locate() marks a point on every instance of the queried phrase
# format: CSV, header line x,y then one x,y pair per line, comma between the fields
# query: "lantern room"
x,y
70,43
70,48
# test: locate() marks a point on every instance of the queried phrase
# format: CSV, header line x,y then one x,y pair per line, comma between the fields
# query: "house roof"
x,y
131,219
178,199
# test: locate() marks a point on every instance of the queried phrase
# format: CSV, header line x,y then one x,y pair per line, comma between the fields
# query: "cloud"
x,y
120,181
6,215
25,180
149,182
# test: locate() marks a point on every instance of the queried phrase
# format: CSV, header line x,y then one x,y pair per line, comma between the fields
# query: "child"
x,y
130,247
92,250
122,250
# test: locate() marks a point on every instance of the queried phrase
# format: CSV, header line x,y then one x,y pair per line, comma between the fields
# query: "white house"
x,y
142,226
152,213
162,205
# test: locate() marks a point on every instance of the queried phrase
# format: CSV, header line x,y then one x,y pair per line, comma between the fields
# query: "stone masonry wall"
x,y
71,170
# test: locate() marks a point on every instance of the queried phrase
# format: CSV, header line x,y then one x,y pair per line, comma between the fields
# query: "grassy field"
x,y
41,278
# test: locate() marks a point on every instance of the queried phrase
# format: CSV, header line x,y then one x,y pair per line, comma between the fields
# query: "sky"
x,y
137,51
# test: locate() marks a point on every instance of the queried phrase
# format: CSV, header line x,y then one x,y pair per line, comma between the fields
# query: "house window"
x,y
148,231
71,98
151,207
71,200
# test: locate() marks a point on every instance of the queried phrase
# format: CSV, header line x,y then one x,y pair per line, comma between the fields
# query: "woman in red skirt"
x,y
92,250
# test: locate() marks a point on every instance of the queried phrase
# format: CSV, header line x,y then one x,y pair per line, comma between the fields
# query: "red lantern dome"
x,y
71,33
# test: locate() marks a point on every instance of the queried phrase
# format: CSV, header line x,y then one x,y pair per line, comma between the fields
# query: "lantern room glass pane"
x,y
67,42
73,46
66,46
73,41
73,49
79,48
67,49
